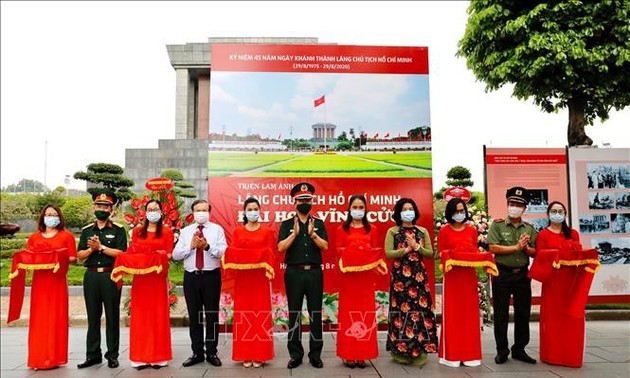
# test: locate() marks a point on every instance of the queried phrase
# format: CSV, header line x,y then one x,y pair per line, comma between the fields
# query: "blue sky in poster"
x,y
269,103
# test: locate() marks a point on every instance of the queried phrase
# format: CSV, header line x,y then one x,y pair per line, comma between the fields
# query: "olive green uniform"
x,y
304,277
100,291
511,281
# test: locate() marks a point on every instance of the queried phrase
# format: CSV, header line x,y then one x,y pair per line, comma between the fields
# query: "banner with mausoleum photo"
x,y
348,119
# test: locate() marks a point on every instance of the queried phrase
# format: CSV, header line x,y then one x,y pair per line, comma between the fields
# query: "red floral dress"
x,y
412,329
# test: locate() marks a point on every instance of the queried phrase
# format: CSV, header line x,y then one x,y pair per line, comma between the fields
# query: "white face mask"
x,y
154,216
52,222
201,217
357,214
556,218
515,212
252,216
459,217
407,215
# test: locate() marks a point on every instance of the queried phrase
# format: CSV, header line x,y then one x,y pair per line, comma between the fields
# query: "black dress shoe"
x,y
89,362
500,358
361,364
350,364
112,363
157,367
193,360
522,356
293,363
214,360
316,362
141,367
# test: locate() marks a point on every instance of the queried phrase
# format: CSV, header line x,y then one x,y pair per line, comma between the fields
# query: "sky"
x,y
82,81
269,103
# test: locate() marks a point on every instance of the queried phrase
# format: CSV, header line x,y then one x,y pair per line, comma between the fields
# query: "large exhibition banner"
x,y
348,119
543,171
600,210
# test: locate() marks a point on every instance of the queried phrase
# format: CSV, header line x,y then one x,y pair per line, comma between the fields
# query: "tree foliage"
x,y
181,186
26,186
14,207
107,176
77,211
563,54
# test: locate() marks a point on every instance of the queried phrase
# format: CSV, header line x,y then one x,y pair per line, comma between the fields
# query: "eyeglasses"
x,y
560,212
51,215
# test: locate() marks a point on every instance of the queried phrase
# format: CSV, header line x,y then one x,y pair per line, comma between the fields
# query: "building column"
x,y
181,103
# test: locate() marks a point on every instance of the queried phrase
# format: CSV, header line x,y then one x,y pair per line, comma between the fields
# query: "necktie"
x,y
199,256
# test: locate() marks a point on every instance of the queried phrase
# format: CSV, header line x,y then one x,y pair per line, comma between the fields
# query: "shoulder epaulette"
x,y
88,226
528,224
500,220
118,224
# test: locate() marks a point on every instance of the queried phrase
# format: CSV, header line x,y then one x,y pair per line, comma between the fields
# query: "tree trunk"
x,y
576,134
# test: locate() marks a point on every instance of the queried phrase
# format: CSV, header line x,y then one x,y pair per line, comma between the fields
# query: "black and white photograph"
x,y
538,201
594,224
623,201
601,200
608,176
612,250
538,223
620,223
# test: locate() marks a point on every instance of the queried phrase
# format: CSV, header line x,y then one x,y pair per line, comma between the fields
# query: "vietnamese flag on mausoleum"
x,y
386,135
375,135
319,101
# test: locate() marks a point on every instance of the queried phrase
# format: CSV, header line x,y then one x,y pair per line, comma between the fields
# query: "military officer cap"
x,y
104,196
518,194
303,190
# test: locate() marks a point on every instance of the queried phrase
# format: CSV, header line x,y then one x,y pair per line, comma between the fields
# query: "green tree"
x,y
342,137
563,54
14,207
26,186
181,186
346,145
107,176
78,211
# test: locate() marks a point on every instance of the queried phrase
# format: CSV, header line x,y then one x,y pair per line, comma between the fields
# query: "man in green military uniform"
x,y
100,243
303,237
512,241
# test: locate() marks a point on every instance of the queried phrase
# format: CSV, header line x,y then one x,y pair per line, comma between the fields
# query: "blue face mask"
x,y
154,216
407,215
52,222
357,214
459,217
556,218
252,216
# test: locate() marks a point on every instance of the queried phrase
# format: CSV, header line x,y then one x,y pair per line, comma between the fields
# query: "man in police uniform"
x,y
303,237
512,241
100,243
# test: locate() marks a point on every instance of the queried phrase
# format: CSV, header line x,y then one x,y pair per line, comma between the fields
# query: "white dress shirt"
x,y
214,236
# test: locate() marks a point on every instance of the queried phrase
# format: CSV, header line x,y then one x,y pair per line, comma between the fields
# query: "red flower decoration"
x,y
141,214
135,203
172,299
179,224
145,199
173,215
190,218
129,218
166,208
170,198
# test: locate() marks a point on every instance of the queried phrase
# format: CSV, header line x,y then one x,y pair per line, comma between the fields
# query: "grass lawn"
x,y
337,166
241,161
412,159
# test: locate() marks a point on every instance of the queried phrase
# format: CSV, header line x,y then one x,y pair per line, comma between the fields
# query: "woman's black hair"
x,y
451,208
398,208
247,202
366,224
145,224
566,230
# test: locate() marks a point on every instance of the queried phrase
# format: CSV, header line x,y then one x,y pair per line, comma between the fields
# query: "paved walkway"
x,y
607,356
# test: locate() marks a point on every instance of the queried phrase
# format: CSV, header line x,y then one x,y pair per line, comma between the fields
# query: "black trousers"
x,y
99,292
300,284
203,292
517,285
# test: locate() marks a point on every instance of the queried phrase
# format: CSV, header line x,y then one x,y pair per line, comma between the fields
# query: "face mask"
x,y
357,214
459,217
515,212
154,216
556,218
407,215
101,215
252,216
304,208
51,222
201,217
